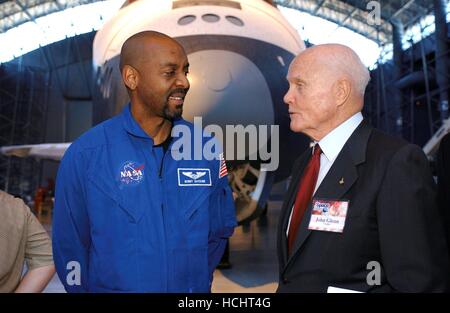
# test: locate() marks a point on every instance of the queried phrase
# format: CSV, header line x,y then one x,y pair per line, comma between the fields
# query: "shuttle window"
x,y
234,20
211,18
186,20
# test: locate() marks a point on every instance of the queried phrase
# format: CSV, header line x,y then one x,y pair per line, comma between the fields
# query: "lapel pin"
x,y
341,182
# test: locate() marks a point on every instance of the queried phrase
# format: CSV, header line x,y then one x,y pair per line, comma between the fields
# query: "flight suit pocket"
x,y
222,213
194,203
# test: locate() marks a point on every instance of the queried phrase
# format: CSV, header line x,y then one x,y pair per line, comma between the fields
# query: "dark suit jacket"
x,y
392,218
443,174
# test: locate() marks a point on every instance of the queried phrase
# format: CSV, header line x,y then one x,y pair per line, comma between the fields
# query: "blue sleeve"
x,y
222,221
71,239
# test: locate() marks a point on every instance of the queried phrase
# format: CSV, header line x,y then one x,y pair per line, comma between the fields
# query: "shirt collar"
x,y
335,140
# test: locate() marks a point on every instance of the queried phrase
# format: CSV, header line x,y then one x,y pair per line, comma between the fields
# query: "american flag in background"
x,y
223,167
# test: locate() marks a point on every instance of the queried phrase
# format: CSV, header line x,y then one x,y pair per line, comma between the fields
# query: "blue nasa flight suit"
x,y
130,218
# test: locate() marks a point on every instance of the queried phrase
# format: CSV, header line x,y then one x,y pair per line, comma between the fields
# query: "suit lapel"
x,y
339,179
289,201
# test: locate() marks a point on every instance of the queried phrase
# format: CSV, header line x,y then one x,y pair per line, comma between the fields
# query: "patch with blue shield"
x,y
194,177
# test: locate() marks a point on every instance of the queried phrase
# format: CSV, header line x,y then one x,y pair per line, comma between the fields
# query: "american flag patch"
x,y
223,167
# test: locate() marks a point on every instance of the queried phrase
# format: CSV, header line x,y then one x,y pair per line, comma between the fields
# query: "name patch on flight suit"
x,y
194,177
328,215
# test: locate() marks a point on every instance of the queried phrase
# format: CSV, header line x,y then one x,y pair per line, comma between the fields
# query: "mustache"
x,y
179,91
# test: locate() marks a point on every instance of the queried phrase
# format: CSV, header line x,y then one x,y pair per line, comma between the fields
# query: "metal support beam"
x,y
442,56
403,8
397,35
25,10
319,5
13,128
427,88
349,16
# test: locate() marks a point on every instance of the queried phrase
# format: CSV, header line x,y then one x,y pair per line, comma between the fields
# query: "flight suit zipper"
x,y
161,168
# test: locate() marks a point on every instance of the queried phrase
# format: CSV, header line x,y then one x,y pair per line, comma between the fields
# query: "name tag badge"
x,y
328,215
194,177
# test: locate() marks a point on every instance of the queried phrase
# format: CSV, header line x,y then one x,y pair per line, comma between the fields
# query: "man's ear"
x,y
342,90
130,77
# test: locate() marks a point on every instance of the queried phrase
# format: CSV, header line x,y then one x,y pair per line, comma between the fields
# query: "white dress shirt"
x,y
331,146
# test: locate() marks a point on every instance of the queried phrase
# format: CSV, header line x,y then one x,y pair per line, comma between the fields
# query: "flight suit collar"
x,y
132,127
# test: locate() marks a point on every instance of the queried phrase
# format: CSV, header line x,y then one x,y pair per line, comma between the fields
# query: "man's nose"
x,y
182,82
287,97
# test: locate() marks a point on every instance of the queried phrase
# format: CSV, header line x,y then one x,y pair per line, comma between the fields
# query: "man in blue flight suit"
x,y
129,216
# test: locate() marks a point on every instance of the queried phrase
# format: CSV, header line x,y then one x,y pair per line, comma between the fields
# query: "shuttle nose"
x,y
227,89
216,78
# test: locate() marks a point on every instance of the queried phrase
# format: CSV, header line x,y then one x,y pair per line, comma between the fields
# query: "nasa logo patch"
x,y
131,173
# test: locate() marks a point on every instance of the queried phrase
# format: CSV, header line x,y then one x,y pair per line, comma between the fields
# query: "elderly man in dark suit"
x,y
361,211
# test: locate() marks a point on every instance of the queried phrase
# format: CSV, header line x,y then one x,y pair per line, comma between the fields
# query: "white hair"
x,y
360,75
350,64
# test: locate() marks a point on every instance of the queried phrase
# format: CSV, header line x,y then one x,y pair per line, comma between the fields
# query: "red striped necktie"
x,y
304,194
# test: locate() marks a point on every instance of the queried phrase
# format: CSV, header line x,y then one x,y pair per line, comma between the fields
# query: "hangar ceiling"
x,y
352,14
16,12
